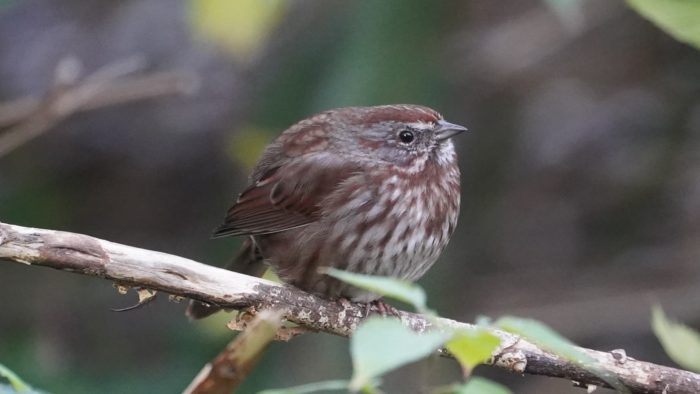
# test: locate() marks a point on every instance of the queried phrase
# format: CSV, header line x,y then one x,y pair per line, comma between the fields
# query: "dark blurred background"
x,y
581,182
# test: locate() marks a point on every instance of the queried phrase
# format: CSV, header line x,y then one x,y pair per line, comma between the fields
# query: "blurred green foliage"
x,y
679,18
375,53
388,55
241,27
246,146
15,383
681,342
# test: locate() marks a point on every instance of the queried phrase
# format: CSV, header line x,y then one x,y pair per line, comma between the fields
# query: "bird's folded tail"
x,y
249,261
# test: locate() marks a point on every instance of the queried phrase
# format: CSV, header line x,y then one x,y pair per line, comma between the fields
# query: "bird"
x,y
372,190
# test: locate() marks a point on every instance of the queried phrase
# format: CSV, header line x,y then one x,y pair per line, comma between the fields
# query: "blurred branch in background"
x,y
182,277
27,118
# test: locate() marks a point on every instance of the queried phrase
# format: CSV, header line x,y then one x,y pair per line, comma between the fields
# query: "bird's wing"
x,y
285,197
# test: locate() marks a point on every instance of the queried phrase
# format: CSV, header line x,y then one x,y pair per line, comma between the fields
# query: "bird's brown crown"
x,y
405,113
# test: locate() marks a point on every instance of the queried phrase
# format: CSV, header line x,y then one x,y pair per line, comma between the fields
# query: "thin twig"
x,y
29,117
182,277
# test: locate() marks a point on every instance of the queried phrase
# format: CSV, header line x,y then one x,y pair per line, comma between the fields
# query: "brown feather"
x,y
286,197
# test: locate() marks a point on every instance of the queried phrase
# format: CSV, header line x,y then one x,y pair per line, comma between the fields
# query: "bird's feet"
x,y
379,307
382,308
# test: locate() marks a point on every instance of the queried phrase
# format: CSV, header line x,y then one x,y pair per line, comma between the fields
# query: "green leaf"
x,y
549,340
387,287
679,18
478,385
380,345
472,347
330,385
17,384
680,342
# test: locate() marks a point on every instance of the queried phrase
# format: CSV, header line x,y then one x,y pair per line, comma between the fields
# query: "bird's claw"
x,y
382,308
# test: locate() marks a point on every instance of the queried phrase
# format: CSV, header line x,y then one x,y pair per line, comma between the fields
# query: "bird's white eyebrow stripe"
x,y
421,125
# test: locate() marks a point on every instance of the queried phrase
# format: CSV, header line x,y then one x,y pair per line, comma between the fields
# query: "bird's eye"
x,y
406,136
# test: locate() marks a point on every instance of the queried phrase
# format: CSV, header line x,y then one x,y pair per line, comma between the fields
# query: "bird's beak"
x,y
446,130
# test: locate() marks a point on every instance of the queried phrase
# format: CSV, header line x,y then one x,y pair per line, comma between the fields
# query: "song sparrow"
x,y
373,190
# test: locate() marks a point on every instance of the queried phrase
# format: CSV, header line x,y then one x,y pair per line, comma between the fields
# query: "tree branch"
x,y
182,277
